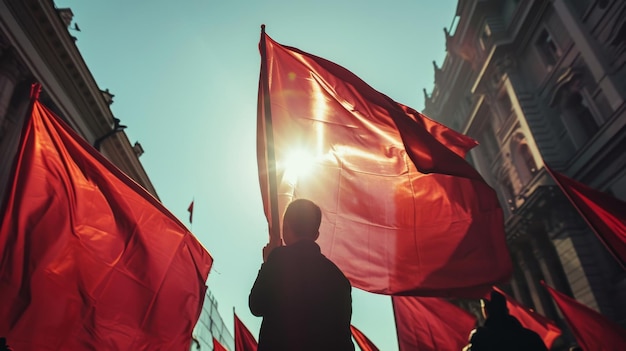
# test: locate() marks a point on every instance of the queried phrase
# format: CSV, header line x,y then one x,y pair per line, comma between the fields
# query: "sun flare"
x,y
297,163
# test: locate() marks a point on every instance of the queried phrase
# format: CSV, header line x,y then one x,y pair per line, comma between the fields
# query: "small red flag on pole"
x,y
431,324
364,343
244,340
547,329
190,210
217,346
605,214
592,331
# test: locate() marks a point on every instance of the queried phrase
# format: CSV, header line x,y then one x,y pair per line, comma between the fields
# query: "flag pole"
x,y
269,145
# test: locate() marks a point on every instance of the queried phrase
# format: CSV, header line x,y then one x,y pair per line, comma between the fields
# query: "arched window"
x,y
522,158
506,188
574,106
528,158
576,110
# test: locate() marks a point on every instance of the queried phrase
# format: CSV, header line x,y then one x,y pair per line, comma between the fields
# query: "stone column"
x,y
531,274
549,270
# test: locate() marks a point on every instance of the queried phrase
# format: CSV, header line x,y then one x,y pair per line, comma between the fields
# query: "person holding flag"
x,y
303,297
502,331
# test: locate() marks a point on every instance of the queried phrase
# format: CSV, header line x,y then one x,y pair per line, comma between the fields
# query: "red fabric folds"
x,y
364,343
592,331
403,212
217,346
431,324
244,340
547,329
605,214
90,260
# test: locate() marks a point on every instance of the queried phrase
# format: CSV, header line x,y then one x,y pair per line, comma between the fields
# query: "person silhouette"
x,y
501,331
3,344
304,298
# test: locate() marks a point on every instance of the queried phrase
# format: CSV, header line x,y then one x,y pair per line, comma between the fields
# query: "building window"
x,y
484,37
523,159
528,158
577,117
506,107
548,49
488,143
508,192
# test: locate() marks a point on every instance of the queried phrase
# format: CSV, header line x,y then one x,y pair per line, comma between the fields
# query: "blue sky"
x,y
185,75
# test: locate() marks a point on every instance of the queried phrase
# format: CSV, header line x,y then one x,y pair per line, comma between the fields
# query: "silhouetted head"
x,y
496,306
3,345
301,221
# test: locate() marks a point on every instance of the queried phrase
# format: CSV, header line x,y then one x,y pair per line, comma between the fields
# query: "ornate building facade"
x,y
543,82
37,45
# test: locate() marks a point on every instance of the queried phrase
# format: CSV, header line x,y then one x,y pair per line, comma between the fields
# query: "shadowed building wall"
x,y
539,82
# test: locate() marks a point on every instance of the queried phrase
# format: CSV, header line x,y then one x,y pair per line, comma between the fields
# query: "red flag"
x,y
190,210
244,340
592,331
605,214
217,346
363,158
90,260
431,324
547,329
364,343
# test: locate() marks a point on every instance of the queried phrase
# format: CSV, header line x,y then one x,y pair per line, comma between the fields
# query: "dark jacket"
x,y
505,333
304,299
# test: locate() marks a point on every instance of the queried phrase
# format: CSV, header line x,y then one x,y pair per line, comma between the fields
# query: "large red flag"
x,y
325,135
244,340
431,324
605,214
547,329
217,346
90,260
592,331
364,343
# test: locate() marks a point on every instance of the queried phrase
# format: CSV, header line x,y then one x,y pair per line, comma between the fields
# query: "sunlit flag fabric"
x,y
431,324
90,260
217,346
364,343
592,331
363,158
605,214
547,329
244,340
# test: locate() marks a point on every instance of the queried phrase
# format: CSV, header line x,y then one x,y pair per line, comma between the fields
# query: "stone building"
x,y
37,44
543,82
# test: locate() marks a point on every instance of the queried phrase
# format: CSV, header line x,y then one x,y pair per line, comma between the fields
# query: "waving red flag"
x,y
217,346
547,329
244,340
592,331
390,223
364,343
90,260
431,324
605,214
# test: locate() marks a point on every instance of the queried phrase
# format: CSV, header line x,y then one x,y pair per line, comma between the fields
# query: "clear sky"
x,y
185,76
